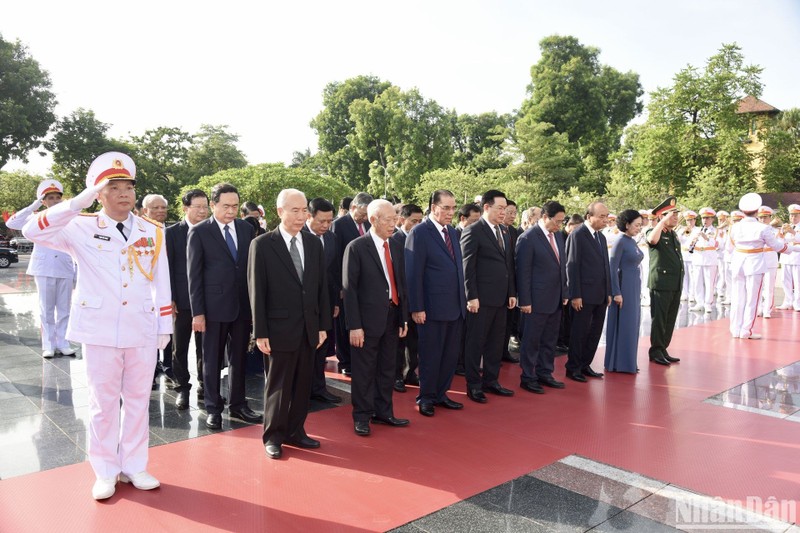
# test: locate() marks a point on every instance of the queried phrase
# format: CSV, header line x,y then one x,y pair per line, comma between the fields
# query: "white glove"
x,y
35,205
163,340
87,197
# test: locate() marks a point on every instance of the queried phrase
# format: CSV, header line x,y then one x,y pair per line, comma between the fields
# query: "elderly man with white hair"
x,y
289,299
154,206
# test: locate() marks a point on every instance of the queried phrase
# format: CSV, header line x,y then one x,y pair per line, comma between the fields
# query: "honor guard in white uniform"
x,y
790,263
54,273
748,240
704,262
764,216
121,312
687,234
723,275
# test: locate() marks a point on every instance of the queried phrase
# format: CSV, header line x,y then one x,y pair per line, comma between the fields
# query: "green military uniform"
x,y
665,281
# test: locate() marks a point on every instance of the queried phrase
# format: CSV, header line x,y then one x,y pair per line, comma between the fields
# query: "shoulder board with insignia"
x,y
87,214
153,222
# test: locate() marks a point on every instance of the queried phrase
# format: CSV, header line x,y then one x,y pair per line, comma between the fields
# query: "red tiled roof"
x,y
751,104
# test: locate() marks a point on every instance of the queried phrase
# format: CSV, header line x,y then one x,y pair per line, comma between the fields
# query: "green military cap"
x,y
670,204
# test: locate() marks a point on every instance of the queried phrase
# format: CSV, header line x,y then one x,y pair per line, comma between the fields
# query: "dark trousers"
x,y
373,368
181,337
538,345
318,377
485,332
407,358
214,341
439,343
342,340
287,389
664,307
565,326
513,327
587,328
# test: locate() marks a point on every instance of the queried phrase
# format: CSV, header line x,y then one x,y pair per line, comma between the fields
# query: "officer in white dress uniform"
x,y
686,235
723,275
764,216
747,242
790,263
54,273
121,313
704,262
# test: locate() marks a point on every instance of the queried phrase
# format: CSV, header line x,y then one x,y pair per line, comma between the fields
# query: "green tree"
x,y
479,141
26,102
781,155
334,127
214,149
77,139
17,190
262,183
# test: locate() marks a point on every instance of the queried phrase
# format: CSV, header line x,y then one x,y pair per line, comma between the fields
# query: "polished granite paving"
x,y
774,394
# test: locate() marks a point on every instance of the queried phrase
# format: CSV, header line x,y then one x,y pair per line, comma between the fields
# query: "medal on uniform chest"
x,y
145,251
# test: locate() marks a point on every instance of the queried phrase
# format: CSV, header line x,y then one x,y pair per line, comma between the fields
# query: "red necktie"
x,y
360,230
390,270
448,243
553,245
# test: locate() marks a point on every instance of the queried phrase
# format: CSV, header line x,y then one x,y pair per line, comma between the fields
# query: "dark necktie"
x,y
390,271
448,243
500,241
121,228
599,244
230,243
295,253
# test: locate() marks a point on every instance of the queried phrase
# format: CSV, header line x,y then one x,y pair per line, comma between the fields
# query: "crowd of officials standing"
x,y
401,295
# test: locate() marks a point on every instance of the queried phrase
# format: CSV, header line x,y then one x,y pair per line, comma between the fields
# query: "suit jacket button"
x,y
124,285
123,269
123,251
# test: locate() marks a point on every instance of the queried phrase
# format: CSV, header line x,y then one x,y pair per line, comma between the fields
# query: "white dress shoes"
x,y
48,354
104,488
142,480
69,350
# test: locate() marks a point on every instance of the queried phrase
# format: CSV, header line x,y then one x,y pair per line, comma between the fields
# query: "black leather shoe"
x,y
274,451
562,349
510,358
498,389
391,421
576,377
182,401
476,395
326,396
412,379
460,371
399,385
361,427
659,359
532,386
214,421
552,383
591,373
246,414
304,442
345,371
447,403
671,359
426,409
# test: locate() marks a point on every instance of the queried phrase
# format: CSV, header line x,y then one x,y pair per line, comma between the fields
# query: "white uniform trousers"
x,y
745,296
704,278
791,287
723,279
119,436
686,291
55,297
768,292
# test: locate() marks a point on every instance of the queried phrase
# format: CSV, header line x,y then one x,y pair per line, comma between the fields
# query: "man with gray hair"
x,y
289,300
154,206
346,229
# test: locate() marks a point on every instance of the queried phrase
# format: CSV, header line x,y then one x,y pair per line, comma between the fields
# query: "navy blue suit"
x,y
542,284
436,286
588,278
407,347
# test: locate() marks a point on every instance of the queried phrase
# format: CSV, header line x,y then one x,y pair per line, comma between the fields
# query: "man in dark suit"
x,y
589,291
320,217
437,302
377,306
513,321
542,290
346,228
491,291
408,346
195,207
291,313
217,251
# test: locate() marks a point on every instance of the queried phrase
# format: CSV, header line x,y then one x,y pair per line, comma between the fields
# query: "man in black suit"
x,y
407,347
291,313
589,291
491,291
436,299
217,251
377,306
346,228
252,215
542,289
195,207
513,320
320,217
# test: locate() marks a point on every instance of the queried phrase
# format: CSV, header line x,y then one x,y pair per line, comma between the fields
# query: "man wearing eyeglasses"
x,y
195,207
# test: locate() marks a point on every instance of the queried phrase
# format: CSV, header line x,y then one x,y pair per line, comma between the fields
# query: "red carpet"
x,y
654,423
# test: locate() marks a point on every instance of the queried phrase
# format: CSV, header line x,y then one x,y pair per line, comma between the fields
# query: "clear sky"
x,y
260,67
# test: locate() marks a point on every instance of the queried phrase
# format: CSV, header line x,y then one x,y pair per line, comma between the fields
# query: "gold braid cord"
x,y
134,256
